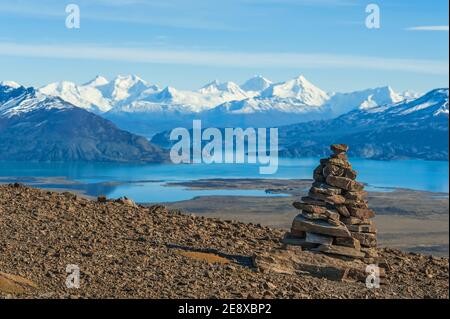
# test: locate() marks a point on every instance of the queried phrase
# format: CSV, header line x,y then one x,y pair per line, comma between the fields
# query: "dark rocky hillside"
x,y
38,128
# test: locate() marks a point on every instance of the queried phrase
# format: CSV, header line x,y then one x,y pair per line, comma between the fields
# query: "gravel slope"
x,y
128,251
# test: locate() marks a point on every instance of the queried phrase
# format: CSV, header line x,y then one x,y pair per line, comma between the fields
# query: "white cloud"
x,y
429,28
223,58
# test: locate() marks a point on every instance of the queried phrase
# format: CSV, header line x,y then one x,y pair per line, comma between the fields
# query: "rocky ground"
x,y
129,251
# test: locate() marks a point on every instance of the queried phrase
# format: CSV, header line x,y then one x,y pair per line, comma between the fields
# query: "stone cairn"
x,y
335,217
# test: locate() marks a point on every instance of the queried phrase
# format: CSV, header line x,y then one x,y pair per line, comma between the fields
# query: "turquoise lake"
x,y
145,183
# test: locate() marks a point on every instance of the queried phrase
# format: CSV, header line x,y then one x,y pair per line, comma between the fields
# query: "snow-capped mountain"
x,y
256,84
84,96
144,108
340,103
408,129
293,101
18,100
100,95
299,89
377,123
38,127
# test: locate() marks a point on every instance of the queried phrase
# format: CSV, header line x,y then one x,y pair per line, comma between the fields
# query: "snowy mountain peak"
x,y
431,104
126,82
167,94
10,84
97,81
380,96
227,90
298,88
126,88
340,103
24,100
258,83
84,96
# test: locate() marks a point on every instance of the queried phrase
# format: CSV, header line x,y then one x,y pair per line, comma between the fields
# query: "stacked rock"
x,y
335,217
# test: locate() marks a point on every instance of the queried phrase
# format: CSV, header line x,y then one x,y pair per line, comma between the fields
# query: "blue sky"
x,y
186,43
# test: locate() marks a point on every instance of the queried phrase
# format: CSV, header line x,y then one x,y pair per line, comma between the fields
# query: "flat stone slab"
x,y
344,183
362,228
332,199
341,251
326,190
318,239
301,223
312,201
348,242
313,264
355,221
289,239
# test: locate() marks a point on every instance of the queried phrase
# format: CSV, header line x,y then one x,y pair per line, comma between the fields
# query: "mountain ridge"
x,y
408,129
36,127
143,108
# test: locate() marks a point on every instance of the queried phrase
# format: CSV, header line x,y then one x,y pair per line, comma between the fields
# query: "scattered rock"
x,y
134,252
102,199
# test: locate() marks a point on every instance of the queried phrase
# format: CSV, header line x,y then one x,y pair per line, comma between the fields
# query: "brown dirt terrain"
x,y
129,251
